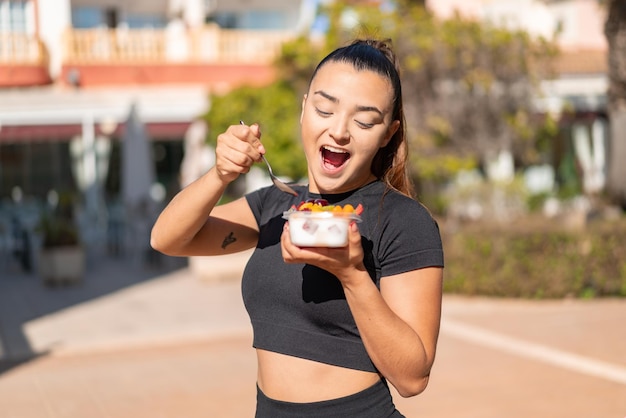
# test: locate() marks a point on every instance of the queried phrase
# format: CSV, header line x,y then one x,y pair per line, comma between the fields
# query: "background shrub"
x,y
536,259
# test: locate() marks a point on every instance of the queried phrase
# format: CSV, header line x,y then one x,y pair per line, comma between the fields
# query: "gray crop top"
x,y
301,310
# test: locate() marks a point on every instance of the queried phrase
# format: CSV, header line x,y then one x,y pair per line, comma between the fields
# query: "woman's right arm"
x,y
192,224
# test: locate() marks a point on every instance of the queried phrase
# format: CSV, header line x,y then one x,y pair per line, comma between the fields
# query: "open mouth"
x,y
333,158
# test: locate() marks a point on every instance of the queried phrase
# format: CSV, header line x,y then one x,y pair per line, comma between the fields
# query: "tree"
x,y
615,32
468,86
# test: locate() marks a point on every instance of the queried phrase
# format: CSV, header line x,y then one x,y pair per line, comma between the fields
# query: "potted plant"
x,y
62,257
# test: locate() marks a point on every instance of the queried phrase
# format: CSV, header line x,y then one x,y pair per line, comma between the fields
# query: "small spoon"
x,y
277,182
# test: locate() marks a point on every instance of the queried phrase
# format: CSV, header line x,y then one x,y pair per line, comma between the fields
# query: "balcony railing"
x,y
21,49
205,45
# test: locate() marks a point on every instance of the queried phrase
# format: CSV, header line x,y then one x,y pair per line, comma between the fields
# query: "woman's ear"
x,y
390,132
303,104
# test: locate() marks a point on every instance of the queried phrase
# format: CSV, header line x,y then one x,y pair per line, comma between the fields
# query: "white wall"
x,y
583,24
581,21
193,11
54,19
446,8
533,16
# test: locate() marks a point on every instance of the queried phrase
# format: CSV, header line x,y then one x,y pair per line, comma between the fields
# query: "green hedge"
x,y
531,259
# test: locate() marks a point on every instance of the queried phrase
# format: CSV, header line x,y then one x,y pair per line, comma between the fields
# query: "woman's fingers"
x,y
237,150
255,140
334,260
252,135
286,245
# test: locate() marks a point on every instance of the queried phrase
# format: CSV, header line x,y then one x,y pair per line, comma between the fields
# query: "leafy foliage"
x,y
537,259
276,109
476,79
57,226
58,232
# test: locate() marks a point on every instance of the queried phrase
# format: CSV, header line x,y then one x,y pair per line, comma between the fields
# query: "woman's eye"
x,y
364,125
322,113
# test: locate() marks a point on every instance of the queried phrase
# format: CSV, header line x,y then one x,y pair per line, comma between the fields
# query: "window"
x,y
87,17
111,17
145,21
253,19
13,15
261,19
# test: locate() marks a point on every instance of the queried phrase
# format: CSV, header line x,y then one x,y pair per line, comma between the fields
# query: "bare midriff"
x,y
293,379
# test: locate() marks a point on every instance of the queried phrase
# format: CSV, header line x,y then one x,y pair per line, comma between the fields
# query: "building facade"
x,y
79,79
67,66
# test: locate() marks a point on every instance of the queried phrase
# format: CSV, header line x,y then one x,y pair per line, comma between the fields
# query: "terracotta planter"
x,y
62,265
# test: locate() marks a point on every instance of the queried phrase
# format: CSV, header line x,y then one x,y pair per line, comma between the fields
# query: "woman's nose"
x,y
339,130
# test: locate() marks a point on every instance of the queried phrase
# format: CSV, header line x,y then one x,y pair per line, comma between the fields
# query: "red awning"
x,y
65,133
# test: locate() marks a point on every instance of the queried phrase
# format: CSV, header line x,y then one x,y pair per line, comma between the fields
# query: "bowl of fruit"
x,y
316,223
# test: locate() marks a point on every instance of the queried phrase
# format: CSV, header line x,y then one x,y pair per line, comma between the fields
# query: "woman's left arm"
x,y
399,324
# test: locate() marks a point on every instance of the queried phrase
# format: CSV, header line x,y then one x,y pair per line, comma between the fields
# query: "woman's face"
x,y
346,118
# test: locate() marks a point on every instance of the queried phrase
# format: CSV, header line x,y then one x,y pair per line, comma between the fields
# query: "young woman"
x,y
331,325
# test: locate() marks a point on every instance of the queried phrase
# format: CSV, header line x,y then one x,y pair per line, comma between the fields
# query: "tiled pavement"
x,y
135,341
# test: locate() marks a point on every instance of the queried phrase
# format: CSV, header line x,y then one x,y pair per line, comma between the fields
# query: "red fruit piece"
x,y
310,227
359,209
334,229
321,202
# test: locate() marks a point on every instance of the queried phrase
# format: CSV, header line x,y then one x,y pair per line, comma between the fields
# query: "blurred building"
x,y
576,96
78,78
72,69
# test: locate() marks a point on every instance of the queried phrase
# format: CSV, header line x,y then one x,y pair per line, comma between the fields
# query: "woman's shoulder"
x,y
393,203
407,236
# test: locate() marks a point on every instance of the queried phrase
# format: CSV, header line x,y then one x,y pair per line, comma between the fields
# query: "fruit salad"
x,y
316,223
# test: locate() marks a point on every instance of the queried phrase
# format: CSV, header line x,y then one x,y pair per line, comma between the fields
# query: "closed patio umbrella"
x,y
138,176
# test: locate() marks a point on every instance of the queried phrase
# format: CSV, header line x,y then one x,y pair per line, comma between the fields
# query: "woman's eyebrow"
x,y
327,96
359,108
369,109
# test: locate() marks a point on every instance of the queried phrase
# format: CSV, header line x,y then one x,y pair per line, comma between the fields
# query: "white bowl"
x,y
319,228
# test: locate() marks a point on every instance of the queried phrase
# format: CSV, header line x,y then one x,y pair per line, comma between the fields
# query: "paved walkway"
x,y
133,341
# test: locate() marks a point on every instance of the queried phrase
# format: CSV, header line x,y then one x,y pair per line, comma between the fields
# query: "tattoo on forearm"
x,y
230,238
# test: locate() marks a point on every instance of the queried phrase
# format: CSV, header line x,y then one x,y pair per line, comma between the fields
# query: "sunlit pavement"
x,y
133,342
